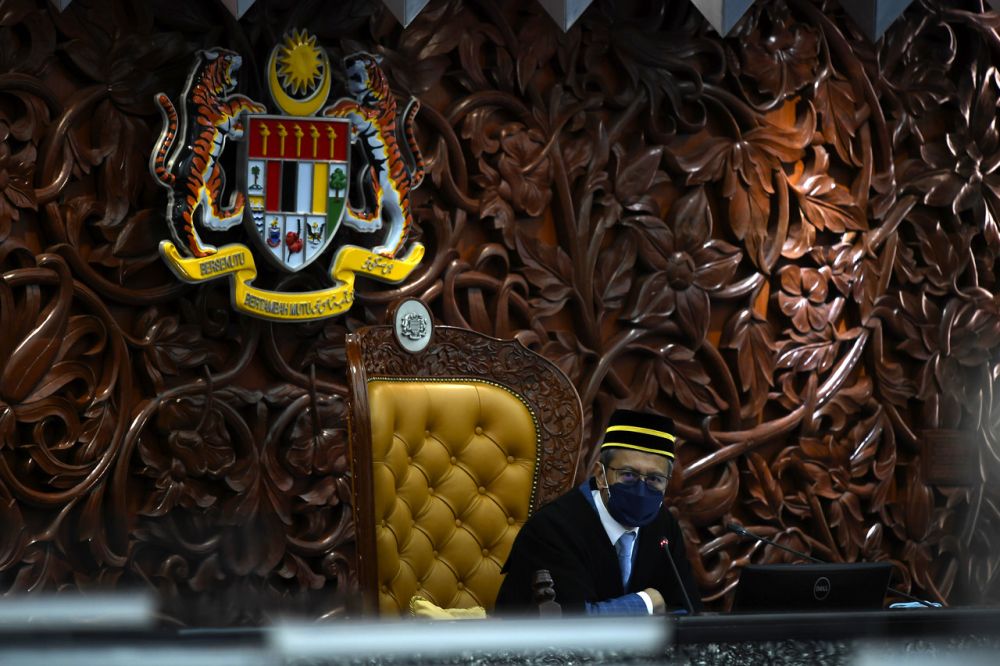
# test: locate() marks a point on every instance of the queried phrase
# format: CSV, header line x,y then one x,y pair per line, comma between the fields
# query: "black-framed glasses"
x,y
630,477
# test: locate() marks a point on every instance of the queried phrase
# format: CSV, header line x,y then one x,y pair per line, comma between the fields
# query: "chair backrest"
x,y
452,448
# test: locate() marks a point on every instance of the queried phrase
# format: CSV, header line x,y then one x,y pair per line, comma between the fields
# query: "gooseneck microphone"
x,y
665,547
744,532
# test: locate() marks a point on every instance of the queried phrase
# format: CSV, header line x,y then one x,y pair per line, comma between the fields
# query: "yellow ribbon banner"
x,y
237,261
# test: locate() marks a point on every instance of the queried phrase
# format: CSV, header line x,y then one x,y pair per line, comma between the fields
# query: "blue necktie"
x,y
624,549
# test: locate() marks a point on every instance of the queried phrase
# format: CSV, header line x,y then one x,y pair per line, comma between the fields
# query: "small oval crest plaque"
x,y
412,325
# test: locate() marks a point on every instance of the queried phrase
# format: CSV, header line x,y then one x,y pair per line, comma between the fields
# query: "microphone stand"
x,y
665,547
743,532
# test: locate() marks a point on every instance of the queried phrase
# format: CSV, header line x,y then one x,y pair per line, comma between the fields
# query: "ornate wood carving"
x,y
786,238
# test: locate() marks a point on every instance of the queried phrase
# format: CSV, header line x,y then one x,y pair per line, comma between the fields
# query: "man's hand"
x,y
659,606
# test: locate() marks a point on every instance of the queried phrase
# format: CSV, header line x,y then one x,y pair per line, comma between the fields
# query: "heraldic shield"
x,y
295,182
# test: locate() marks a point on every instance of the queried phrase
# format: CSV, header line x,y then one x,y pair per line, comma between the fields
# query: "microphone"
x,y
664,546
744,532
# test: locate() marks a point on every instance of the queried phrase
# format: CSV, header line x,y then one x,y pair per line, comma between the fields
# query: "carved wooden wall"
x,y
786,238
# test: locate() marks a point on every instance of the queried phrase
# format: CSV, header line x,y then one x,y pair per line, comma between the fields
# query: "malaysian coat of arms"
x,y
293,177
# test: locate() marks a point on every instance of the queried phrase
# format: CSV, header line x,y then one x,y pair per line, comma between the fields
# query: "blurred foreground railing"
x,y
113,630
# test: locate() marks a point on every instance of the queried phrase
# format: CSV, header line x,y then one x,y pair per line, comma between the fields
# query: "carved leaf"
x,y
809,357
840,116
171,346
654,302
613,280
639,173
683,377
549,269
753,339
766,497
824,203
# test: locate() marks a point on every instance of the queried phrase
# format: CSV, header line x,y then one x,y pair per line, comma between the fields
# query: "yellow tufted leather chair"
x,y
452,448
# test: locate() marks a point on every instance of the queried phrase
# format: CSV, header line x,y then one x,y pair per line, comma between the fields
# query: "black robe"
x,y
567,538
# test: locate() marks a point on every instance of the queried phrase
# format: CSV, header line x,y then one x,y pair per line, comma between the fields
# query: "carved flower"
x,y
917,58
173,486
197,437
525,169
687,266
170,346
651,51
16,173
317,453
125,60
200,453
844,260
519,183
954,342
778,54
964,170
934,256
128,61
803,298
197,446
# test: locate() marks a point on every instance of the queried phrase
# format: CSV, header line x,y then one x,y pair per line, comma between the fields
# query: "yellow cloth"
x,y
420,607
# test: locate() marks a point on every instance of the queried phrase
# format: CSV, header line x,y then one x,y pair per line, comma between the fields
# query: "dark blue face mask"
x,y
633,505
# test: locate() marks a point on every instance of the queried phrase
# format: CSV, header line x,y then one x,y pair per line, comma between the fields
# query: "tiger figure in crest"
x,y
372,113
190,168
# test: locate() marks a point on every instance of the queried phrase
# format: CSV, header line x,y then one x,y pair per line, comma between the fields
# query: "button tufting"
x,y
510,520
430,490
427,434
383,522
486,552
454,460
479,430
434,553
385,588
460,585
510,460
482,491
458,523
409,459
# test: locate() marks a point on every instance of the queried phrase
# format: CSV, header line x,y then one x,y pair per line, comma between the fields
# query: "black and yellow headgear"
x,y
640,431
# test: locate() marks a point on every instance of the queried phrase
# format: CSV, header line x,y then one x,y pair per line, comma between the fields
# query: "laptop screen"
x,y
774,587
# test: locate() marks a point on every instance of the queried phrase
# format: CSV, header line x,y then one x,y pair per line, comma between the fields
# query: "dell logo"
x,y
821,588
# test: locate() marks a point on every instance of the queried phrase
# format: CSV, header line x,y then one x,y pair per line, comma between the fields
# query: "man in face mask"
x,y
604,542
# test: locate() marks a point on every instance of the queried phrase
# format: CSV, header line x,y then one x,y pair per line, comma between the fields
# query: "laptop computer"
x,y
819,587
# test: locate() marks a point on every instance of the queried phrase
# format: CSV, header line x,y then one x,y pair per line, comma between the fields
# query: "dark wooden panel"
x,y
786,239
